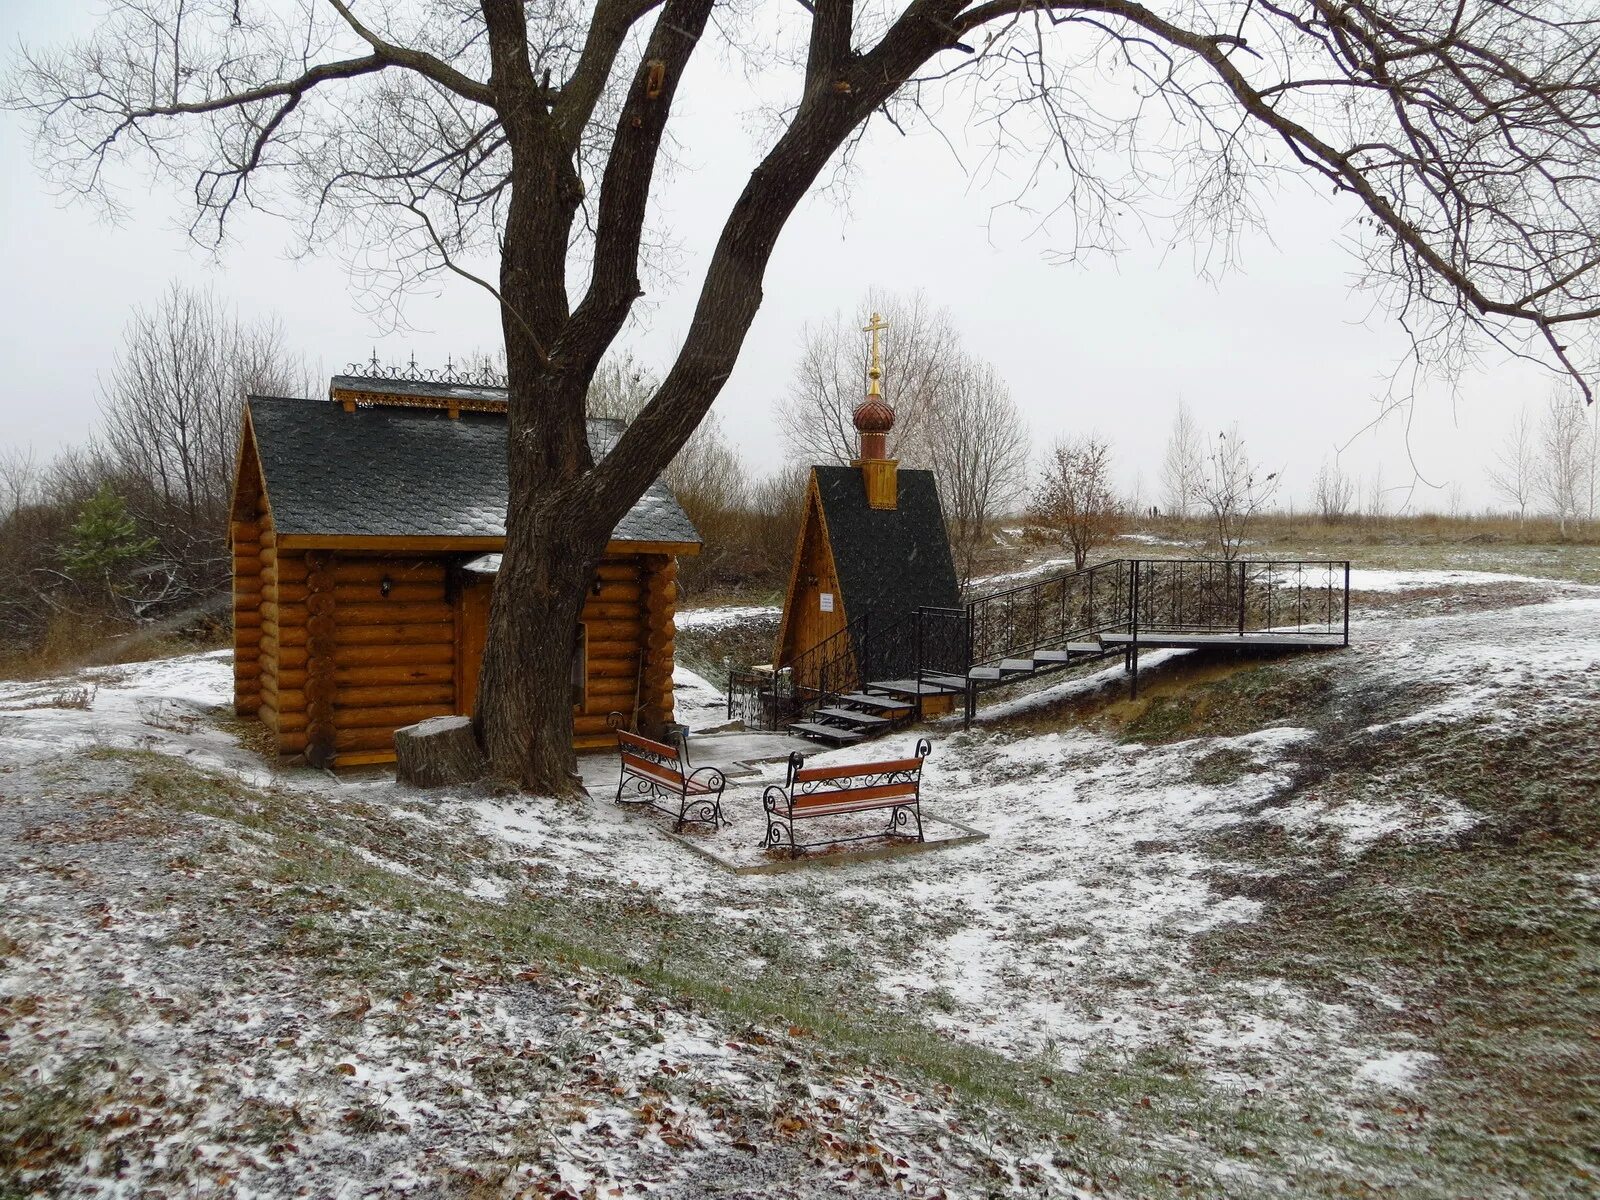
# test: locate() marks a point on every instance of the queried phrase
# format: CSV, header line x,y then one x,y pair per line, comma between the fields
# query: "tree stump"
x,y
438,752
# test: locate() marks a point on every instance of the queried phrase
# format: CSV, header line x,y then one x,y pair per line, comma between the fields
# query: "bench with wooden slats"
x,y
894,785
659,776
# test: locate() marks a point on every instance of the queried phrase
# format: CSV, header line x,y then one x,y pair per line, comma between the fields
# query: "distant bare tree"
x,y
1377,500
1514,472
1562,471
1233,491
1183,465
707,476
1076,497
621,387
172,407
1593,461
920,364
978,448
1335,491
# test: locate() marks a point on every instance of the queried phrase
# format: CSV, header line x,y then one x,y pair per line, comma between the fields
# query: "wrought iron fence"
x,y
772,699
1124,595
1050,612
1244,596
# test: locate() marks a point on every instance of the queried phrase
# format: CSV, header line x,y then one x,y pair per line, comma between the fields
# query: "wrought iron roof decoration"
x,y
450,375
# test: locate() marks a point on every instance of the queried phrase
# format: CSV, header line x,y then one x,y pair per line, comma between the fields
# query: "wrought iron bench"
x,y
661,777
895,785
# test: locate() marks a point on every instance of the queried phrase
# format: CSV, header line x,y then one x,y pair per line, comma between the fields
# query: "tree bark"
x,y
438,752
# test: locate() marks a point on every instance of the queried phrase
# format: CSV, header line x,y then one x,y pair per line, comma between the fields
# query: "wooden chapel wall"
x,y
627,617
805,624
341,665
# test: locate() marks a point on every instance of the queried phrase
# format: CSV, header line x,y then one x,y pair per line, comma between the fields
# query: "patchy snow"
x,y
698,703
1367,579
1151,539
1396,1071
728,614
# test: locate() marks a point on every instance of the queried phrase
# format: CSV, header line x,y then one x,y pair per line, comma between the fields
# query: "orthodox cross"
x,y
875,370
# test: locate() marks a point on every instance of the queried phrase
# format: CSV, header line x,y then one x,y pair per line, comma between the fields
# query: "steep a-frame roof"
x,y
400,473
890,561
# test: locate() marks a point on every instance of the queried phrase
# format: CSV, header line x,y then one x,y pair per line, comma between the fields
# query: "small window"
x,y
580,668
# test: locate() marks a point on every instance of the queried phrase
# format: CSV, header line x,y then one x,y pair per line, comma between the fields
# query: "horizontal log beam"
x,y
431,634
414,654
388,716
396,695
398,674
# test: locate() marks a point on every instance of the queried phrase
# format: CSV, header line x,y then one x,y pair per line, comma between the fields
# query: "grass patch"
x,y
342,916
1485,937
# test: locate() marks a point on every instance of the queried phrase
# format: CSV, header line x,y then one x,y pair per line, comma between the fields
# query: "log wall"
x,y
613,616
338,660
245,534
282,614
392,658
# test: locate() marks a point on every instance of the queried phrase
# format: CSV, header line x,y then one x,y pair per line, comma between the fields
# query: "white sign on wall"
x,y
827,601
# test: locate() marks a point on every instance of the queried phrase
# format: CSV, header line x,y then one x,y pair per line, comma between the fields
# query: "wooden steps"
x,y
837,734
848,716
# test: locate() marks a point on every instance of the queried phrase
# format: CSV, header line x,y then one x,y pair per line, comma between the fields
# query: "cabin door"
x,y
472,630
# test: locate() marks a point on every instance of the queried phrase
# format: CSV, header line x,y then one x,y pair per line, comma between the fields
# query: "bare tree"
x,y
920,367
707,475
978,448
435,135
1514,472
1076,496
1561,474
1233,490
1335,491
1182,465
1592,461
172,407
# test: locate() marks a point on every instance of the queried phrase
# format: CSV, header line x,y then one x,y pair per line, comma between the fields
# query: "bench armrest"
x,y
713,778
777,799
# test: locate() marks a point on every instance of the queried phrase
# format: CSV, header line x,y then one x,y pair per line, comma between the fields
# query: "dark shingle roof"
x,y
890,561
411,472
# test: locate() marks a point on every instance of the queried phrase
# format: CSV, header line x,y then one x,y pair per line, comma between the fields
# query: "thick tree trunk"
x,y
524,710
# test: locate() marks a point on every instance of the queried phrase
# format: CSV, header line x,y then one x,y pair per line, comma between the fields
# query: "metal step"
x,y
984,674
865,720
828,733
1017,666
910,687
1055,656
945,680
882,704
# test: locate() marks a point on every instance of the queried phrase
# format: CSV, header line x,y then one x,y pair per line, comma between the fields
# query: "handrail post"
x,y
917,674
1241,596
1347,602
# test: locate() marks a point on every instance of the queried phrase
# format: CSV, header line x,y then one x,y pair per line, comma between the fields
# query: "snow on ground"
x,y
1366,579
1065,938
728,614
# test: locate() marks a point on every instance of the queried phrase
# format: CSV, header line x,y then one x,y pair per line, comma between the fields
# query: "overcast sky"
x,y
1282,345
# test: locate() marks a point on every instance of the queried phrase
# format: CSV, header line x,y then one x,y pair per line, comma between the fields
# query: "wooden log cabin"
x,y
365,537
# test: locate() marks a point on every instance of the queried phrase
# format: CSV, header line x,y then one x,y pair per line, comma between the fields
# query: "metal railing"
x,y
773,699
1129,596
1243,596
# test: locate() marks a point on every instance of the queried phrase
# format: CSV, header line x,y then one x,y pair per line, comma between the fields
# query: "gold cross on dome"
x,y
875,370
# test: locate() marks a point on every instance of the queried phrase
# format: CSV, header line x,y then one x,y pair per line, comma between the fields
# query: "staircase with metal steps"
x,y
867,679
